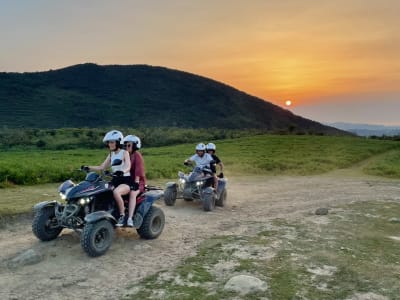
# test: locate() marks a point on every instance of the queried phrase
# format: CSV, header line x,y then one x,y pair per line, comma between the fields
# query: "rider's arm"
x,y
221,165
103,166
127,161
139,167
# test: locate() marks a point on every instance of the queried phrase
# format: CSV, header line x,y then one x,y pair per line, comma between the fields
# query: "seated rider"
x,y
211,149
132,143
203,159
122,181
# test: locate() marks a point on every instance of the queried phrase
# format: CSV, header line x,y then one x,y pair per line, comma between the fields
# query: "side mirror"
x,y
116,162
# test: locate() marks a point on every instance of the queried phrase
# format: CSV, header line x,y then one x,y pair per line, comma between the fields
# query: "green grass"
x,y
20,200
388,165
263,154
353,251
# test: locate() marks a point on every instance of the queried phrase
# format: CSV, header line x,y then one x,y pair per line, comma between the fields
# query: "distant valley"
x,y
367,129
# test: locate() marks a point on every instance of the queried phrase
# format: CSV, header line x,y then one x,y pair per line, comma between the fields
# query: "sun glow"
x,y
288,103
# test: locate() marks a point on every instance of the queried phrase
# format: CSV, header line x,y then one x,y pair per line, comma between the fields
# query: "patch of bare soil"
x,y
66,272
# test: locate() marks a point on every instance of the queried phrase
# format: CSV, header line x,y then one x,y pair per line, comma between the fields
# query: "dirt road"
x,y
66,272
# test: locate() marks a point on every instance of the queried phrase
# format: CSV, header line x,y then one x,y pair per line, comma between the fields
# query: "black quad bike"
x,y
89,208
197,185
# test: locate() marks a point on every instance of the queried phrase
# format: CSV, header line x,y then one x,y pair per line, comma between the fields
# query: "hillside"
x,y
89,95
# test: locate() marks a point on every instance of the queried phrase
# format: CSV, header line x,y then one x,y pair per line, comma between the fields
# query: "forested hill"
x,y
89,95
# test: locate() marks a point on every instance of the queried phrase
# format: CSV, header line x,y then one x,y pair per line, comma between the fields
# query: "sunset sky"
x,y
335,60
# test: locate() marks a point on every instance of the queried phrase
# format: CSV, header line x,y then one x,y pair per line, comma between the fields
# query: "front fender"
x,y
221,185
171,185
100,215
208,190
39,206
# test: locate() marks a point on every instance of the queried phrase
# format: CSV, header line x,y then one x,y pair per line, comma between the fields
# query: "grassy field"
x,y
351,252
261,155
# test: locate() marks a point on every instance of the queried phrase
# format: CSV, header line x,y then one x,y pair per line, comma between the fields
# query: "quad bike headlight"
x,y
63,196
181,180
199,183
84,201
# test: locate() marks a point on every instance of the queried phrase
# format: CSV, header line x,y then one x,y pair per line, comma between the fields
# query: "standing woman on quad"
x,y
132,143
122,179
211,148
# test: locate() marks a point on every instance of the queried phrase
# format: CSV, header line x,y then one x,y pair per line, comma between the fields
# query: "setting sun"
x,y
288,103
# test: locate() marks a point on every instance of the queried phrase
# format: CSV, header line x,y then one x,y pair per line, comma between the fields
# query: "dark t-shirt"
x,y
216,159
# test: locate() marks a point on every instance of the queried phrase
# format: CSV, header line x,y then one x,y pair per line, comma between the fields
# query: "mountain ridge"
x,y
90,95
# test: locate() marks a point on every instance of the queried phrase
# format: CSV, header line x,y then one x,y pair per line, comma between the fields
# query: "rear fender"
x,y
100,215
39,206
150,198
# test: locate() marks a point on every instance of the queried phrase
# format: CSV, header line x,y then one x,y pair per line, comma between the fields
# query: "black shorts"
x,y
116,181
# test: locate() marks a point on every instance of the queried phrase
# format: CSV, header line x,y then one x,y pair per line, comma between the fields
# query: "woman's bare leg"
x,y
120,190
132,202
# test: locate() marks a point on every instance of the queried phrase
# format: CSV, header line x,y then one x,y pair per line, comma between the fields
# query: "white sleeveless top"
x,y
121,167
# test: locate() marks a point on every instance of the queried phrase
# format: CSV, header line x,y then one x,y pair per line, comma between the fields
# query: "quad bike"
x,y
197,185
90,210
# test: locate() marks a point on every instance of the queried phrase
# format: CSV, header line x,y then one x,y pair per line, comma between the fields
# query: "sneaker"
x,y
121,221
130,222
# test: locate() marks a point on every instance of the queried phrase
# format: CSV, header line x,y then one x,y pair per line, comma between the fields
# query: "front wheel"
x,y
208,201
45,225
222,198
153,223
170,196
97,237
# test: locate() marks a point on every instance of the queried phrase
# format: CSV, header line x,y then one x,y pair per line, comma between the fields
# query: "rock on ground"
x,y
245,284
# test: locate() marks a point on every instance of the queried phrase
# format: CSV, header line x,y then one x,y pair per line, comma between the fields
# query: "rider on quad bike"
x,y
199,184
203,159
122,181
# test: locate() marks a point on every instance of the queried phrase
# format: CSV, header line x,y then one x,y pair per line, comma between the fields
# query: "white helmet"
x,y
201,147
113,135
211,146
133,139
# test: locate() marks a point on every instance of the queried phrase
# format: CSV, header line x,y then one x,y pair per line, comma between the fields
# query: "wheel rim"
x,y
51,225
101,238
156,224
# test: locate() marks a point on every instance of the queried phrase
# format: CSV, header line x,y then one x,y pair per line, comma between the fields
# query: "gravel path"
x,y
66,272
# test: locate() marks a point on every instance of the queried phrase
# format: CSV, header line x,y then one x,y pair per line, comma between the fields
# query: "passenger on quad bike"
x,y
211,149
122,181
132,143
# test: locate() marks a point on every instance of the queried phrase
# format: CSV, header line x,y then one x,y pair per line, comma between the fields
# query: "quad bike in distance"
x,y
197,185
89,208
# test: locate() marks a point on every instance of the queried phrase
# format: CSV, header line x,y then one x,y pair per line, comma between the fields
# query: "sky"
x,y
337,61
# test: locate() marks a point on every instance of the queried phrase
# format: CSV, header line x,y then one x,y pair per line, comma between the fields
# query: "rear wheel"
x,y
153,223
97,237
45,225
170,196
208,201
222,198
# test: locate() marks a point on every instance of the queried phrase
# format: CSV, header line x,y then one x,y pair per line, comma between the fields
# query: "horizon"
x,y
335,62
